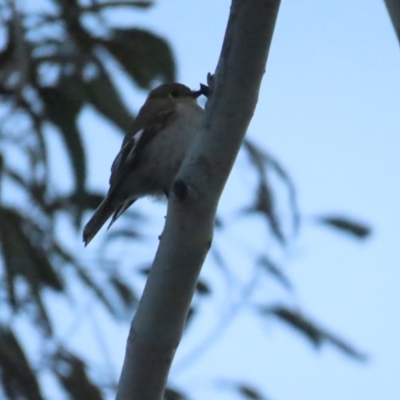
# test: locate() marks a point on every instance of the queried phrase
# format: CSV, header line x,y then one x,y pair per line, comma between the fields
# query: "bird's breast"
x,y
167,150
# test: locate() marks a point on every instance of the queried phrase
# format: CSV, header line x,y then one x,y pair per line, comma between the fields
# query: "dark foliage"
x,y
51,67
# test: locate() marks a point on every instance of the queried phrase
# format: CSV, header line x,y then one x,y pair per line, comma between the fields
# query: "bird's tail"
x,y
108,207
100,216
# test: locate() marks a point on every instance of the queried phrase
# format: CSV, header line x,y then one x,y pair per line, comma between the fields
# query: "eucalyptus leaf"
x,y
106,99
357,229
144,56
18,379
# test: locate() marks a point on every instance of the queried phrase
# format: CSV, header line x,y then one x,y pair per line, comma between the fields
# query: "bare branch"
x,y
393,7
159,321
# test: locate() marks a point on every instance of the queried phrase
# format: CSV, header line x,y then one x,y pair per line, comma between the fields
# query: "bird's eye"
x,y
174,93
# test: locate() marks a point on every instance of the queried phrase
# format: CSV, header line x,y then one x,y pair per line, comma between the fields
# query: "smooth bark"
x,y
393,7
160,318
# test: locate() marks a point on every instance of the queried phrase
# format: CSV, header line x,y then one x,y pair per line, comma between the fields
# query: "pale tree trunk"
x,y
393,7
160,318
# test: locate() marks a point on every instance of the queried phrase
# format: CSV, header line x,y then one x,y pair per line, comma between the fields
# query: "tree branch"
x,y
393,8
160,318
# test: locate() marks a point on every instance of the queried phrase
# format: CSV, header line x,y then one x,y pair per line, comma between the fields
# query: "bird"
x,y
151,152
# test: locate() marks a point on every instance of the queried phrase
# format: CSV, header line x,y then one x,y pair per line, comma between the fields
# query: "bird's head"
x,y
174,92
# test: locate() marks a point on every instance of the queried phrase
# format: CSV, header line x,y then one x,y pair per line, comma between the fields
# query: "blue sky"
x,y
329,111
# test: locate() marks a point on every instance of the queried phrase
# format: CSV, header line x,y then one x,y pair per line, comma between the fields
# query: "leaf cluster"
x,y
53,64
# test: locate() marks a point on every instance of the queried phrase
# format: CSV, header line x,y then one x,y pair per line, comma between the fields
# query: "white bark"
x,y
160,318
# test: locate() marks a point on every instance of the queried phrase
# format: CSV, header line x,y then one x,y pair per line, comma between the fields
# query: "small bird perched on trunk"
x,y
151,153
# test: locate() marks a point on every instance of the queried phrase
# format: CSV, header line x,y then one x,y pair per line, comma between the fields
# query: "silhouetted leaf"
x,y
173,394
275,271
17,377
219,259
87,201
63,104
15,59
264,202
263,161
40,148
202,288
99,292
71,372
123,233
299,322
83,275
249,392
125,293
278,168
265,205
346,225
1,171
144,56
39,314
84,201
16,177
99,6
141,4
244,390
22,257
218,223
145,269
312,331
106,99
257,157
346,348
79,37
6,55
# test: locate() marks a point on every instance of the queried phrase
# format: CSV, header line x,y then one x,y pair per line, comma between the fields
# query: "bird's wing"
x,y
134,144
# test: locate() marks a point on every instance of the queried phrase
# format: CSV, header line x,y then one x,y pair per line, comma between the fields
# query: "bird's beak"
x,y
196,93
203,90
